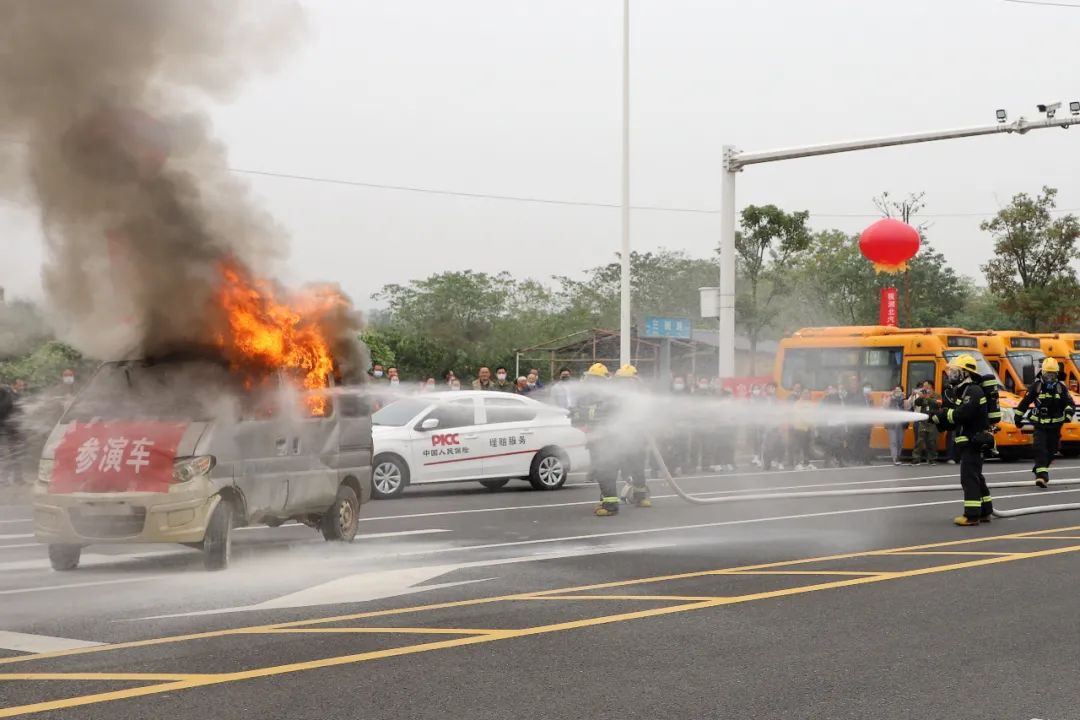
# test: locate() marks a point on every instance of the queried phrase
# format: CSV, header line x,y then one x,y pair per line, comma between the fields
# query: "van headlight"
x,y
189,468
1008,415
45,470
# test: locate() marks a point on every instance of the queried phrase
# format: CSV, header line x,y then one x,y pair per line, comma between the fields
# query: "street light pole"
x,y
735,160
624,255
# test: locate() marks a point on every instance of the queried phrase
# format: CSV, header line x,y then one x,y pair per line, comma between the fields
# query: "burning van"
x,y
180,450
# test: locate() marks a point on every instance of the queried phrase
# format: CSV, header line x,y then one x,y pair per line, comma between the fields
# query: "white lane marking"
x,y
430,531
401,533
27,521
364,587
25,642
43,588
92,559
543,506
21,536
21,545
698,526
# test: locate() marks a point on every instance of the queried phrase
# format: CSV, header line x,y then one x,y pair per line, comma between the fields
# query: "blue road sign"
x,y
661,327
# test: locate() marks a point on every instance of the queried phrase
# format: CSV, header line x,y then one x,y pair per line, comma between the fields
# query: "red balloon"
x,y
889,244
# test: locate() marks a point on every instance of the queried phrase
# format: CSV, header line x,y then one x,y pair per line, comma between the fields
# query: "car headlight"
x,y
1008,415
45,470
188,468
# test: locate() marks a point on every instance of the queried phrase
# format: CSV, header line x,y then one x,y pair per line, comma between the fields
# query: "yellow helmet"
x,y
626,371
964,362
1050,365
598,370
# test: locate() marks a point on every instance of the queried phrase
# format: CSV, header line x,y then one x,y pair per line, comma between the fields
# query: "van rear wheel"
x,y
217,543
341,520
64,557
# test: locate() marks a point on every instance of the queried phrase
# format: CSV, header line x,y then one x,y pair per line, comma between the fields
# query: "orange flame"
x,y
266,335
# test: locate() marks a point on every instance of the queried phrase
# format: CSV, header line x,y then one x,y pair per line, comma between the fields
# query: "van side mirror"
x,y
429,424
1029,374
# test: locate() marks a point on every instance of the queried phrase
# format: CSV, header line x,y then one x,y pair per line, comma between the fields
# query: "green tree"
x,y
1030,270
769,243
836,285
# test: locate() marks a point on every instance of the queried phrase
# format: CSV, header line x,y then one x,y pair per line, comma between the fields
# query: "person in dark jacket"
x,y
966,414
11,439
1047,405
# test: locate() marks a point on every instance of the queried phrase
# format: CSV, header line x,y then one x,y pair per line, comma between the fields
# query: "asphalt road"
x,y
462,603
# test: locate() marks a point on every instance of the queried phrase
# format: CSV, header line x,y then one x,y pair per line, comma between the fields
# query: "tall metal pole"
x,y
726,364
624,293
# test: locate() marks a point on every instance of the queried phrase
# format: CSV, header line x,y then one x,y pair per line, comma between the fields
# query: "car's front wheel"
x,y
217,543
342,519
549,470
64,557
389,476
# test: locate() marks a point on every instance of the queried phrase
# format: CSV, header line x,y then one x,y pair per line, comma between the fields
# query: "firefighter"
x,y
967,416
632,441
594,413
1047,405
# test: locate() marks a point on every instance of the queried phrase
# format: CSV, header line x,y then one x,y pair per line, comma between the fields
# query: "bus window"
x,y
881,367
835,366
919,372
796,369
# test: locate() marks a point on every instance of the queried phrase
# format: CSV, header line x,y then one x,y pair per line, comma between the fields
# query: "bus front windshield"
x,y
1021,359
980,362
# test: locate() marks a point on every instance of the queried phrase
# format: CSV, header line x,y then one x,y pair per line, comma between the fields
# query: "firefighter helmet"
x,y
598,370
1050,365
626,371
964,362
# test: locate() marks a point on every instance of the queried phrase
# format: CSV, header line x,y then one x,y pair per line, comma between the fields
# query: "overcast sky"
x,y
522,98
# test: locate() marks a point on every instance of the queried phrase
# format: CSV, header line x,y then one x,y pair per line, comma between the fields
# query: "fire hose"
x,y
662,466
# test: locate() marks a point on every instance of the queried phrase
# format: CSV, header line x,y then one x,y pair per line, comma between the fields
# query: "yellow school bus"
x,y
1016,357
1065,348
885,357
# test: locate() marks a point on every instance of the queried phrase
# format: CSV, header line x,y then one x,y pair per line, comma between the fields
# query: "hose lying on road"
x,y
662,466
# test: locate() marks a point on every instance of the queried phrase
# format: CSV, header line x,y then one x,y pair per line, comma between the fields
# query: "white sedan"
x,y
491,437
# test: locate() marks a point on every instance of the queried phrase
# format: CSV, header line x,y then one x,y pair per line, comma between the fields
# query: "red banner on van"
x,y
116,457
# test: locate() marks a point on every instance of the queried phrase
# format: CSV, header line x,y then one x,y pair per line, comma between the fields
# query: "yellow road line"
x,y
507,634
797,572
1052,537
677,598
374,630
500,598
953,552
119,677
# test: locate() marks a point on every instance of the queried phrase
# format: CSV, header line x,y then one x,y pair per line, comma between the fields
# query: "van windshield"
x,y
1021,359
141,391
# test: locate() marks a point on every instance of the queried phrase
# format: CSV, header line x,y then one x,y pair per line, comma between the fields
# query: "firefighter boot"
x,y
607,508
965,521
640,497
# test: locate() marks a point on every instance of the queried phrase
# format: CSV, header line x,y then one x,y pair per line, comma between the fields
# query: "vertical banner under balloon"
x,y
889,307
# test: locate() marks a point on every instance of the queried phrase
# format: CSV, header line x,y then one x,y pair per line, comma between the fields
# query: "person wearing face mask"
x,y
1047,405
858,434
502,382
377,373
532,382
393,377
967,415
563,393
895,401
428,386
832,435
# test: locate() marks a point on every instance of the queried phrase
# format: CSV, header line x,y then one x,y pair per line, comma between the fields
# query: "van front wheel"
x,y
217,543
342,519
64,557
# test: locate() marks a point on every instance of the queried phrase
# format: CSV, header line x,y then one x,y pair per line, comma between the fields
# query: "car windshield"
x,y
399,413
140,390
980,362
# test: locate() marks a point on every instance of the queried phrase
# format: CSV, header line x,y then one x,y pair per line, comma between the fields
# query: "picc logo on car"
x,y
445,439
